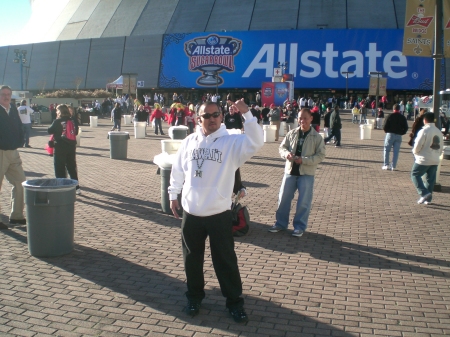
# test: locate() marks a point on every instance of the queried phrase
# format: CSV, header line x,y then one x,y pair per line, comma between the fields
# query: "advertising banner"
x,y
446,21
246,59
381,83
373,86
126,85
275,92
382,86
419,28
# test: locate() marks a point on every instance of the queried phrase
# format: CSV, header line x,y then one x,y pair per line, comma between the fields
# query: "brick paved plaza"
x,y
373,262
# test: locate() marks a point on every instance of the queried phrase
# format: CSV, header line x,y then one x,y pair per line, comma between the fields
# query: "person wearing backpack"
x,y
64,130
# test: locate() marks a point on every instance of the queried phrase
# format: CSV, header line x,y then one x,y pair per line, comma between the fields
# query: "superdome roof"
x,y
84,19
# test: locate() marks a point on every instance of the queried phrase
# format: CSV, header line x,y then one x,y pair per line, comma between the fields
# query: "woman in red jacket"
x,y
157,115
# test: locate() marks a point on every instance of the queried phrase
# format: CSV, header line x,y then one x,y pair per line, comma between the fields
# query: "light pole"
x,y
21,57
217,83
377,74
283,66
346,73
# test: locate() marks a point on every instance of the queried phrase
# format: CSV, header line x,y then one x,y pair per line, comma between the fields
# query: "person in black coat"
x,y
64,155
11,138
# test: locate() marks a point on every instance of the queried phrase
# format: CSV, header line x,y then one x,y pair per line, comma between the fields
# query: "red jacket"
x,y
157,113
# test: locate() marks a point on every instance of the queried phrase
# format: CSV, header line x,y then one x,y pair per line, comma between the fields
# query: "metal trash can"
x,y
50,216
164,162
178,132
118,144
79,137
93,121
139,129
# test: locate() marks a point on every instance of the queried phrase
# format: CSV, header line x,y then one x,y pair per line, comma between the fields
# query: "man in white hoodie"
x,y
204,170
427,149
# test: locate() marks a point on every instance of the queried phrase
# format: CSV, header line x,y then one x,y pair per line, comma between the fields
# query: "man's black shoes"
x,y
192,308
3,226
239,315
18,221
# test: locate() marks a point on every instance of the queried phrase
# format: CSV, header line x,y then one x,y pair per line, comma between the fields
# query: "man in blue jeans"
x,y
427,150
25,116
395,126
303,148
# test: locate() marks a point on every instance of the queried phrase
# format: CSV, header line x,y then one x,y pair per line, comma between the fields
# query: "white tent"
x,y
117,84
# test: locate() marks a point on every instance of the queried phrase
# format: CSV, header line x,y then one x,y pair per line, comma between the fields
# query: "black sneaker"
x,y
192,308
18,221
3,226
239,315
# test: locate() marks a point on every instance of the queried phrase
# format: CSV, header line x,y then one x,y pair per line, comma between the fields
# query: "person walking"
x,y
303,148
157,115
275,119
427,150
395,126
204,168
11,138
25,116
116,116
64,155
335,127
380,116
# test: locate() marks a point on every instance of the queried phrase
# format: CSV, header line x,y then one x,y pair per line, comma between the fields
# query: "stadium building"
x,y
198,46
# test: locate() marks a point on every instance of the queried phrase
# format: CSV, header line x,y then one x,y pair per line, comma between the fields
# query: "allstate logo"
x,y
212,54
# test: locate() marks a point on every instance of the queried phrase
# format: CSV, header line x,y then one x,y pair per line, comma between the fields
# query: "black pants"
x,y
64,157
194,231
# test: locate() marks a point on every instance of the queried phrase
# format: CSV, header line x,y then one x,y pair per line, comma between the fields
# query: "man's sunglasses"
x,y
208,116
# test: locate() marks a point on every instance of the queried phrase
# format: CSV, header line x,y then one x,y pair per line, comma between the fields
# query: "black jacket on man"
x,y
396,123
11,132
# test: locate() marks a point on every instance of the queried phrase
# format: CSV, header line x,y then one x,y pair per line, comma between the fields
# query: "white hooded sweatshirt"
x,y
428,145
204,167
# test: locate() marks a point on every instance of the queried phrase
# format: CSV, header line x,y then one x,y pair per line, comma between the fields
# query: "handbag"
x,y
49,147
240,218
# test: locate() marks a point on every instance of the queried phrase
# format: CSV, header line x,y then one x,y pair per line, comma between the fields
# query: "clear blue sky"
x,y
15,14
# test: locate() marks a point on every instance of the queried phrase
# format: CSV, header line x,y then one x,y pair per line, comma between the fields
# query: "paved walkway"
x,y
373,262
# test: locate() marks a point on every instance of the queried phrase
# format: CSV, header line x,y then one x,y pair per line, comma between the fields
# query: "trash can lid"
x,y
50,185
118,133
164,160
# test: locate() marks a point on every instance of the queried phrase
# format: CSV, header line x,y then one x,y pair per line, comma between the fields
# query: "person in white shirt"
x,y
427,150
204,169
25,116
214,98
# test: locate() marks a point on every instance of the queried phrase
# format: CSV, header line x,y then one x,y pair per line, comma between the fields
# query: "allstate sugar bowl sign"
x,y
316,58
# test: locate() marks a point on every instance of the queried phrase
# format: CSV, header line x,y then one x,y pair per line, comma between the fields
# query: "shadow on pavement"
x,y
93,148
119,203
30,174
327,248
165,294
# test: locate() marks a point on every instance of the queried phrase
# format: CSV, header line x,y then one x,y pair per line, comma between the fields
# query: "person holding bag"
x,y
64,152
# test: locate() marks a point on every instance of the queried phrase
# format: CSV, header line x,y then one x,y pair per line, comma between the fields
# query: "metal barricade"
x,y
37,118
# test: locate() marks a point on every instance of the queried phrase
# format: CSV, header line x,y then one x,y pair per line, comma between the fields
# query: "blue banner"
x,y
317,59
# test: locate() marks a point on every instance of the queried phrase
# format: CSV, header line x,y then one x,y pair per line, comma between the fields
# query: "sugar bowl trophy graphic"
x,y
210,55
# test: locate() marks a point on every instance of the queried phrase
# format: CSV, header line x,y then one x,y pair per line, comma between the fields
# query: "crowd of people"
x,y
209,158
